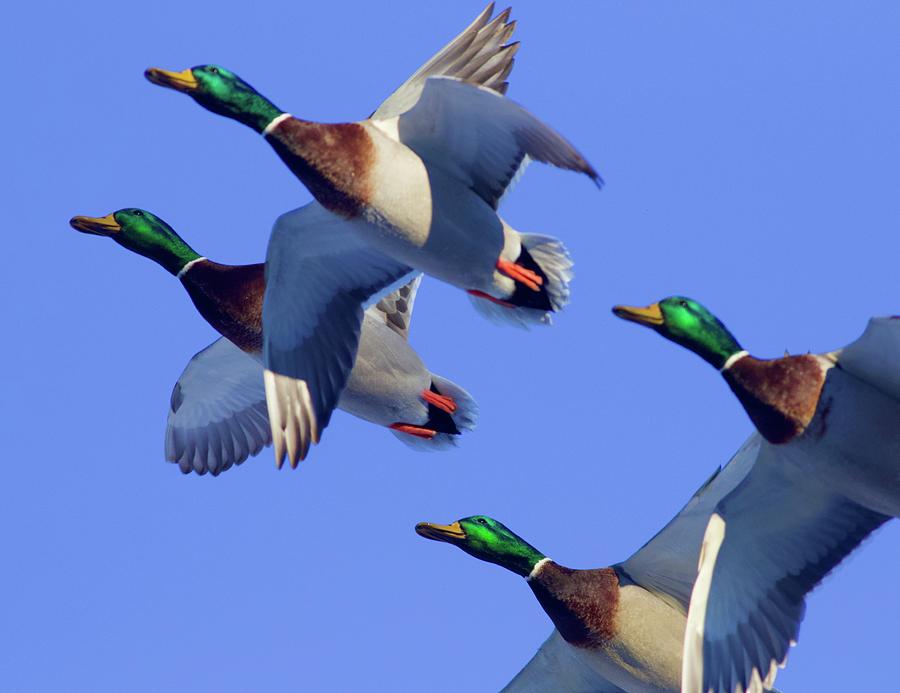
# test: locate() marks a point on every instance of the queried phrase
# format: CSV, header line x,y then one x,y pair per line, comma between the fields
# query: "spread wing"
x,y
479,55
667,564
217,413
396,309
482,138
556,667
319,273
769,543
875,356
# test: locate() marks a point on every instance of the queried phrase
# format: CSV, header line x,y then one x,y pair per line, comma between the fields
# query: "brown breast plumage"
x,y
333,160
230,298
581,603
780,395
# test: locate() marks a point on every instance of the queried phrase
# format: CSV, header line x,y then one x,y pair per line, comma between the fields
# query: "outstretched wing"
x,y
318,275
479,55
396,308
556,667
875,356
481,138
768,544
667,564
217,413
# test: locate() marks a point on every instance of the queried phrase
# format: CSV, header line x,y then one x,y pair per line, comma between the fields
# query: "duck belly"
x,y
429,220
853,442
645,654
387,379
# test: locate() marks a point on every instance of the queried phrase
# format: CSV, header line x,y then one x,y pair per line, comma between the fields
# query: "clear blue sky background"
x,y
751,155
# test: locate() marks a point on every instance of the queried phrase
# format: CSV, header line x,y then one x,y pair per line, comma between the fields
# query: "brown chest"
x,y
230,299
581,603
780,395
334,161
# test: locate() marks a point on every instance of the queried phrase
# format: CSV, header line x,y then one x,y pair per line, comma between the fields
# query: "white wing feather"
x,y
767,545
217,414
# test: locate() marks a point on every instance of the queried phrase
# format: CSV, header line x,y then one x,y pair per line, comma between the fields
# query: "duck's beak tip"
x,y
183,81
651,316
99,226
449,533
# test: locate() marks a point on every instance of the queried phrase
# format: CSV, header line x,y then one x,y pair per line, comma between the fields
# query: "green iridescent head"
x,y
143,233
486,539
220,91
687,323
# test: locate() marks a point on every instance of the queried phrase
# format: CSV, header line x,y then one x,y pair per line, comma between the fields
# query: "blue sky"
x,y
751,158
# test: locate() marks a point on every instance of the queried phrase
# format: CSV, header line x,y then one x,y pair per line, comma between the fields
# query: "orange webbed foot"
x,y
418,431
442,402
523,275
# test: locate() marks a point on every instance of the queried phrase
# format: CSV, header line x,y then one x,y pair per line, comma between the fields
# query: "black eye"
x,y
214,70
683,303
482,521
138,213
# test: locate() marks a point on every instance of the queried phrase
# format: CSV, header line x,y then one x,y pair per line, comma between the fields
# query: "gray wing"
x,y
667,564
875,356
481,138
396,309
768,544
556,667
217,414
479,55
319,273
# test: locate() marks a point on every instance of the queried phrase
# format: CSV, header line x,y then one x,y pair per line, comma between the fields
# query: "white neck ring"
x,y
184,270
275,123
537,568
734,358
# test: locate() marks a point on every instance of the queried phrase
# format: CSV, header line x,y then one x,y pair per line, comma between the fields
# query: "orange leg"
x,y
417,431
488,297
520,274
440,401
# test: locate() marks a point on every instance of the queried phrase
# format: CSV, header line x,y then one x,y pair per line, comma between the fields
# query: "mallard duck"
x,y
413,187
618,628
826,476
217,416
479,54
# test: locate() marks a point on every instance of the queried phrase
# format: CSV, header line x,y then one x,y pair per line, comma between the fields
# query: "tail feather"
x,y
466,415
549,258
463,419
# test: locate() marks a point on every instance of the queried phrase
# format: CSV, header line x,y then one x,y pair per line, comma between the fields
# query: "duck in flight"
x,y
827,475
618,629
217,415
414,187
